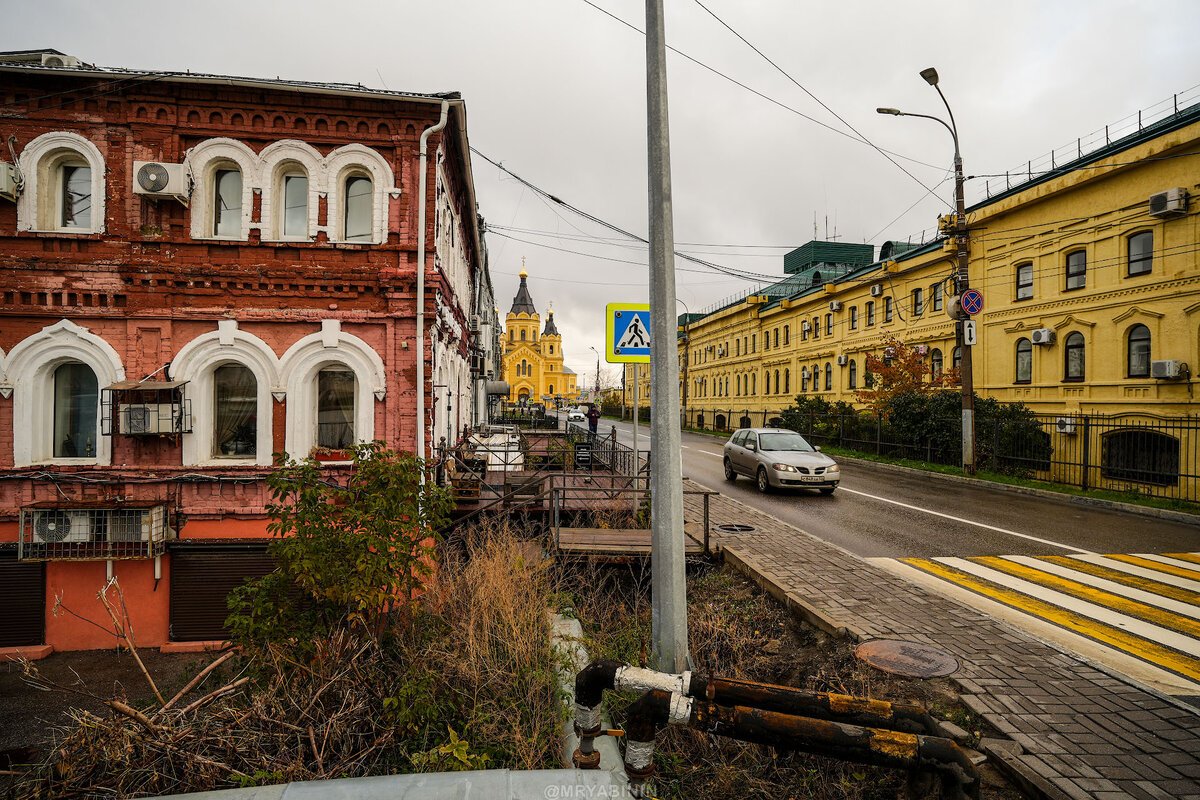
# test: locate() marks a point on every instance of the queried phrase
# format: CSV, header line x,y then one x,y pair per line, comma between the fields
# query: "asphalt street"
x,y
877,513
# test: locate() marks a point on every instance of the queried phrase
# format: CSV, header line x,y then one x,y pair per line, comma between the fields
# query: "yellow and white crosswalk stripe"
x,y
1138,613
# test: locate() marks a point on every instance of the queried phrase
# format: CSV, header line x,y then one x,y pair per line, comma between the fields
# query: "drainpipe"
x,y
420,348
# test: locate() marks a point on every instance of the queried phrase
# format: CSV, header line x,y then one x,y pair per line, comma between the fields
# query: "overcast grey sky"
x,y
555,89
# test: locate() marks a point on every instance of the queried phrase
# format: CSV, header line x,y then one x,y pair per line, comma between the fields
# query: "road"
x,y
1119,588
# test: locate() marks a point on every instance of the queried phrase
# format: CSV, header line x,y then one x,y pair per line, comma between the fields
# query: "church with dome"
x,y
533,355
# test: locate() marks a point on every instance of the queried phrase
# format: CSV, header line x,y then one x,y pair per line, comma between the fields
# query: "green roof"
x,y
815,253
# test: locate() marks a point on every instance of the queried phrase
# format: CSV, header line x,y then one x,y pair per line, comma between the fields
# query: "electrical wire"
x,y
784,73
755,92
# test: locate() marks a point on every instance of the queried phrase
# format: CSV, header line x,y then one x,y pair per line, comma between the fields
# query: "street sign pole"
x,y
637,407
669,599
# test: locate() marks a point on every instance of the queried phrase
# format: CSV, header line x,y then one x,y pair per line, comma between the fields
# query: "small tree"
x,y
349,555
900,370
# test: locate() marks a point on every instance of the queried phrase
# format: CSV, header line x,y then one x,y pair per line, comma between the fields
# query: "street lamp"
x,y
596,395
961,283
687,319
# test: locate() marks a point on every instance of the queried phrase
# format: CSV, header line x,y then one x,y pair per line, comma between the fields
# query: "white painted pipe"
x,y
421,189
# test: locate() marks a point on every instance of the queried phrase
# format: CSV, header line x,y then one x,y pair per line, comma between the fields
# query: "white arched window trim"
x,y
37,205
29,369
331,346
204,160
197,361
342,164
280,159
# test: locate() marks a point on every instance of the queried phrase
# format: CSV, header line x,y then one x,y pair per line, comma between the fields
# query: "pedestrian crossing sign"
x,y
627,333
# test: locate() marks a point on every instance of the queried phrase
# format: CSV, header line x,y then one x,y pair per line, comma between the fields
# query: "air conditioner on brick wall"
x,y
156,179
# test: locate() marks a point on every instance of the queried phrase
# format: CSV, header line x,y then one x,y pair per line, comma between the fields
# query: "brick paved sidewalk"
x,y
1082,732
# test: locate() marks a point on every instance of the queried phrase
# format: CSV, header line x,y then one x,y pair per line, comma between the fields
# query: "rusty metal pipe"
x,y
879,747
822,705
599,676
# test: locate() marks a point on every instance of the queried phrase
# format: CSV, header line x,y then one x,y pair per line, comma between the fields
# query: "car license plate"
x,y
812,478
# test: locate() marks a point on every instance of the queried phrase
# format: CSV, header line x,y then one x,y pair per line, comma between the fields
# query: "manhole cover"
x,y
910,659
733,527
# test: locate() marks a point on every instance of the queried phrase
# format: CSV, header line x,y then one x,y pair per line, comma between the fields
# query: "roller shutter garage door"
x,y
23,598
202,576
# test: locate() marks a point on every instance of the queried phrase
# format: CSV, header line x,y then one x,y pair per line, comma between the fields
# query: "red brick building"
x,y
197,272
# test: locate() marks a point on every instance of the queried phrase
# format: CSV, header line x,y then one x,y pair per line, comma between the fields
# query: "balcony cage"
x,y
148,408
103,531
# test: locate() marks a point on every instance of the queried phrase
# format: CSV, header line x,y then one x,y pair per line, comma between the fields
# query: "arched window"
x,y
335,408
804,380
828,377
1139,352
935,363
776,381
235,405
293,213
777,337
227,202
64,185
358,221
1141,253
816,278
1073,357
75,394
956,357
522,334
853,375
754,384
1024,371
1140,455
787,381
511,334
726,386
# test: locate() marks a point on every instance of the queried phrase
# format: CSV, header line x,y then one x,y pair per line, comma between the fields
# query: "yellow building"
x,y
1090,276
533,360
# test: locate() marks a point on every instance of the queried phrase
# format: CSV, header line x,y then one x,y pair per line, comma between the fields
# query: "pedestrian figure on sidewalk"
x,y
593,418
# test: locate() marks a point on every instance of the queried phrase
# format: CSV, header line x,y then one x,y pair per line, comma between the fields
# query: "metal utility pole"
x,y
961,277
669,606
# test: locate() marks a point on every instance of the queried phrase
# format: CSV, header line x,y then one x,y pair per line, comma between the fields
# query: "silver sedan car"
x,y
778,458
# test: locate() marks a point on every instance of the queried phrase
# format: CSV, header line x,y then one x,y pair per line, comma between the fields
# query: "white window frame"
x,y
330,347
205,160
29,369
39,206
282,159
344,163
196,362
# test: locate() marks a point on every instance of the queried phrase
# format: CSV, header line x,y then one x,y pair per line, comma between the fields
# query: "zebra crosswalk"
x,y
1136,613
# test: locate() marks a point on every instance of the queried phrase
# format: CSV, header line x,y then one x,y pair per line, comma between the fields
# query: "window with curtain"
x,y
75,395
1076,269
335,408
1073,357
1139,352
75,190
227,203
295,206
359,223
235,411
1024,361
1141,253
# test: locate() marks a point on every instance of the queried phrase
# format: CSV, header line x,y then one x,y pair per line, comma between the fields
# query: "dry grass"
x,y
468,680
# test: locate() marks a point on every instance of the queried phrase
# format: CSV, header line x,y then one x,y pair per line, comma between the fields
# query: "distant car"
x,y
576,415
779,458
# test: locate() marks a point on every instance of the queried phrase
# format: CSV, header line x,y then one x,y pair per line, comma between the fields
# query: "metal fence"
x,y
1140,454
533,418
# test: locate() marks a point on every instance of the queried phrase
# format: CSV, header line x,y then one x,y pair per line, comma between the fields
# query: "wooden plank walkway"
x,y
621,543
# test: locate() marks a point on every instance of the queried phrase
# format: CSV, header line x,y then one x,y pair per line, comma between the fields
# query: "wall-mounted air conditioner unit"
x,y
1169,203
149,418
1042,336
876,290
1168,370
842,360
56,60
156,179
60,526
921,349
835,305
8,181
475,323
1065,425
